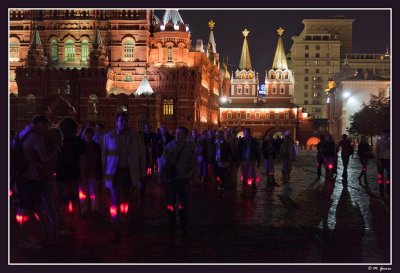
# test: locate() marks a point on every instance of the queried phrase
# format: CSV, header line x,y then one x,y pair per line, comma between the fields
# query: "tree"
x,y
373,117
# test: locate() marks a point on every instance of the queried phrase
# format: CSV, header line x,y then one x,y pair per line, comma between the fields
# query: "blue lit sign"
x,y
262,91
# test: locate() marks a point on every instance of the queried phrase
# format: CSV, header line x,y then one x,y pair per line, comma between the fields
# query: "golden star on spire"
x,y
280,31
245,32
211,24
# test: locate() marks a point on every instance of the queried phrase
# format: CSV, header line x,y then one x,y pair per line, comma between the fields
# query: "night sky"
x,y
371,31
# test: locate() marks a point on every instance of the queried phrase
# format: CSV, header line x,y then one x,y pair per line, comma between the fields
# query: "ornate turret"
x,y
98,55
172,21
245,62
212,46
36,55
280,57
279,79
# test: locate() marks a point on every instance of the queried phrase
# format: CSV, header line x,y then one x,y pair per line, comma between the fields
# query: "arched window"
x,y
69,51
54,50
30,104
169,49
14,50
84,50
92,107
129,48
250,75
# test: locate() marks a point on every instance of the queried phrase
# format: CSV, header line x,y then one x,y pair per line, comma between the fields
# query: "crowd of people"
x,y
61,171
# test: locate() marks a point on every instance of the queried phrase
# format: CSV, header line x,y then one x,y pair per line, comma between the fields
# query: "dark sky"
x,y
371,31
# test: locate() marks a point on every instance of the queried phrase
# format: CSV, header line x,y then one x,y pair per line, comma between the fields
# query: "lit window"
x,y
239,90
229,115
267,116
250,75
276,115
14,50
247,115
257,115
168,107
286,115
85,50
54,50
129,48
169,53
239,115
69,51
247,90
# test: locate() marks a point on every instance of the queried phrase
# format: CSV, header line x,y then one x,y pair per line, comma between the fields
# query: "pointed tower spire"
x,y
36,55
172,15
144,88
35,39
280,57
212,46
245,62
98,55
97,41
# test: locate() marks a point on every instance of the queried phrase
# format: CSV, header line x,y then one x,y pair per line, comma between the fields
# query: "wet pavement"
x,y
302,221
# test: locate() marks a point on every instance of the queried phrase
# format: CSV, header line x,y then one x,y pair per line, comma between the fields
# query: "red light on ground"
x,y
180,206
82,196
330,166
92,197
258,180
113,211
11,193
379,176
249,181
170,208
21,219
387,181
149,171
70,207
124,208
37,216
241,178
54,174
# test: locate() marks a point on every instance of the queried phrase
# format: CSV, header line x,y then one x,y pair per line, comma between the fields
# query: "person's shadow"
x,y
345,242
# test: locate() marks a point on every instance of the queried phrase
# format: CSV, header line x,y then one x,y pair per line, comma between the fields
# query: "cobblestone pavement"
x,y
302,221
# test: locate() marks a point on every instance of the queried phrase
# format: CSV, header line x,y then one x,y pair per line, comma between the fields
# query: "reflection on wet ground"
x,y
302,221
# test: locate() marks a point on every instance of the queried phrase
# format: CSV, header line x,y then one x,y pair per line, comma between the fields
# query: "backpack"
x,y
18,163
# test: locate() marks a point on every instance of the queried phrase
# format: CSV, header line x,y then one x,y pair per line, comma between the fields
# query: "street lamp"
x,y
223,99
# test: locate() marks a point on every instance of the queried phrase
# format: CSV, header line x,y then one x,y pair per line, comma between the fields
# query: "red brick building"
x,y
90,64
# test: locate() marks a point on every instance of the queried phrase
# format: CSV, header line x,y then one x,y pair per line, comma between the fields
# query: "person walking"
x,y
201,156
346,151
320,157
287,154
69,174
91,174
33,156
364,153
249,157
269,154
328,153
383,161
177,163
220,159
124,164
